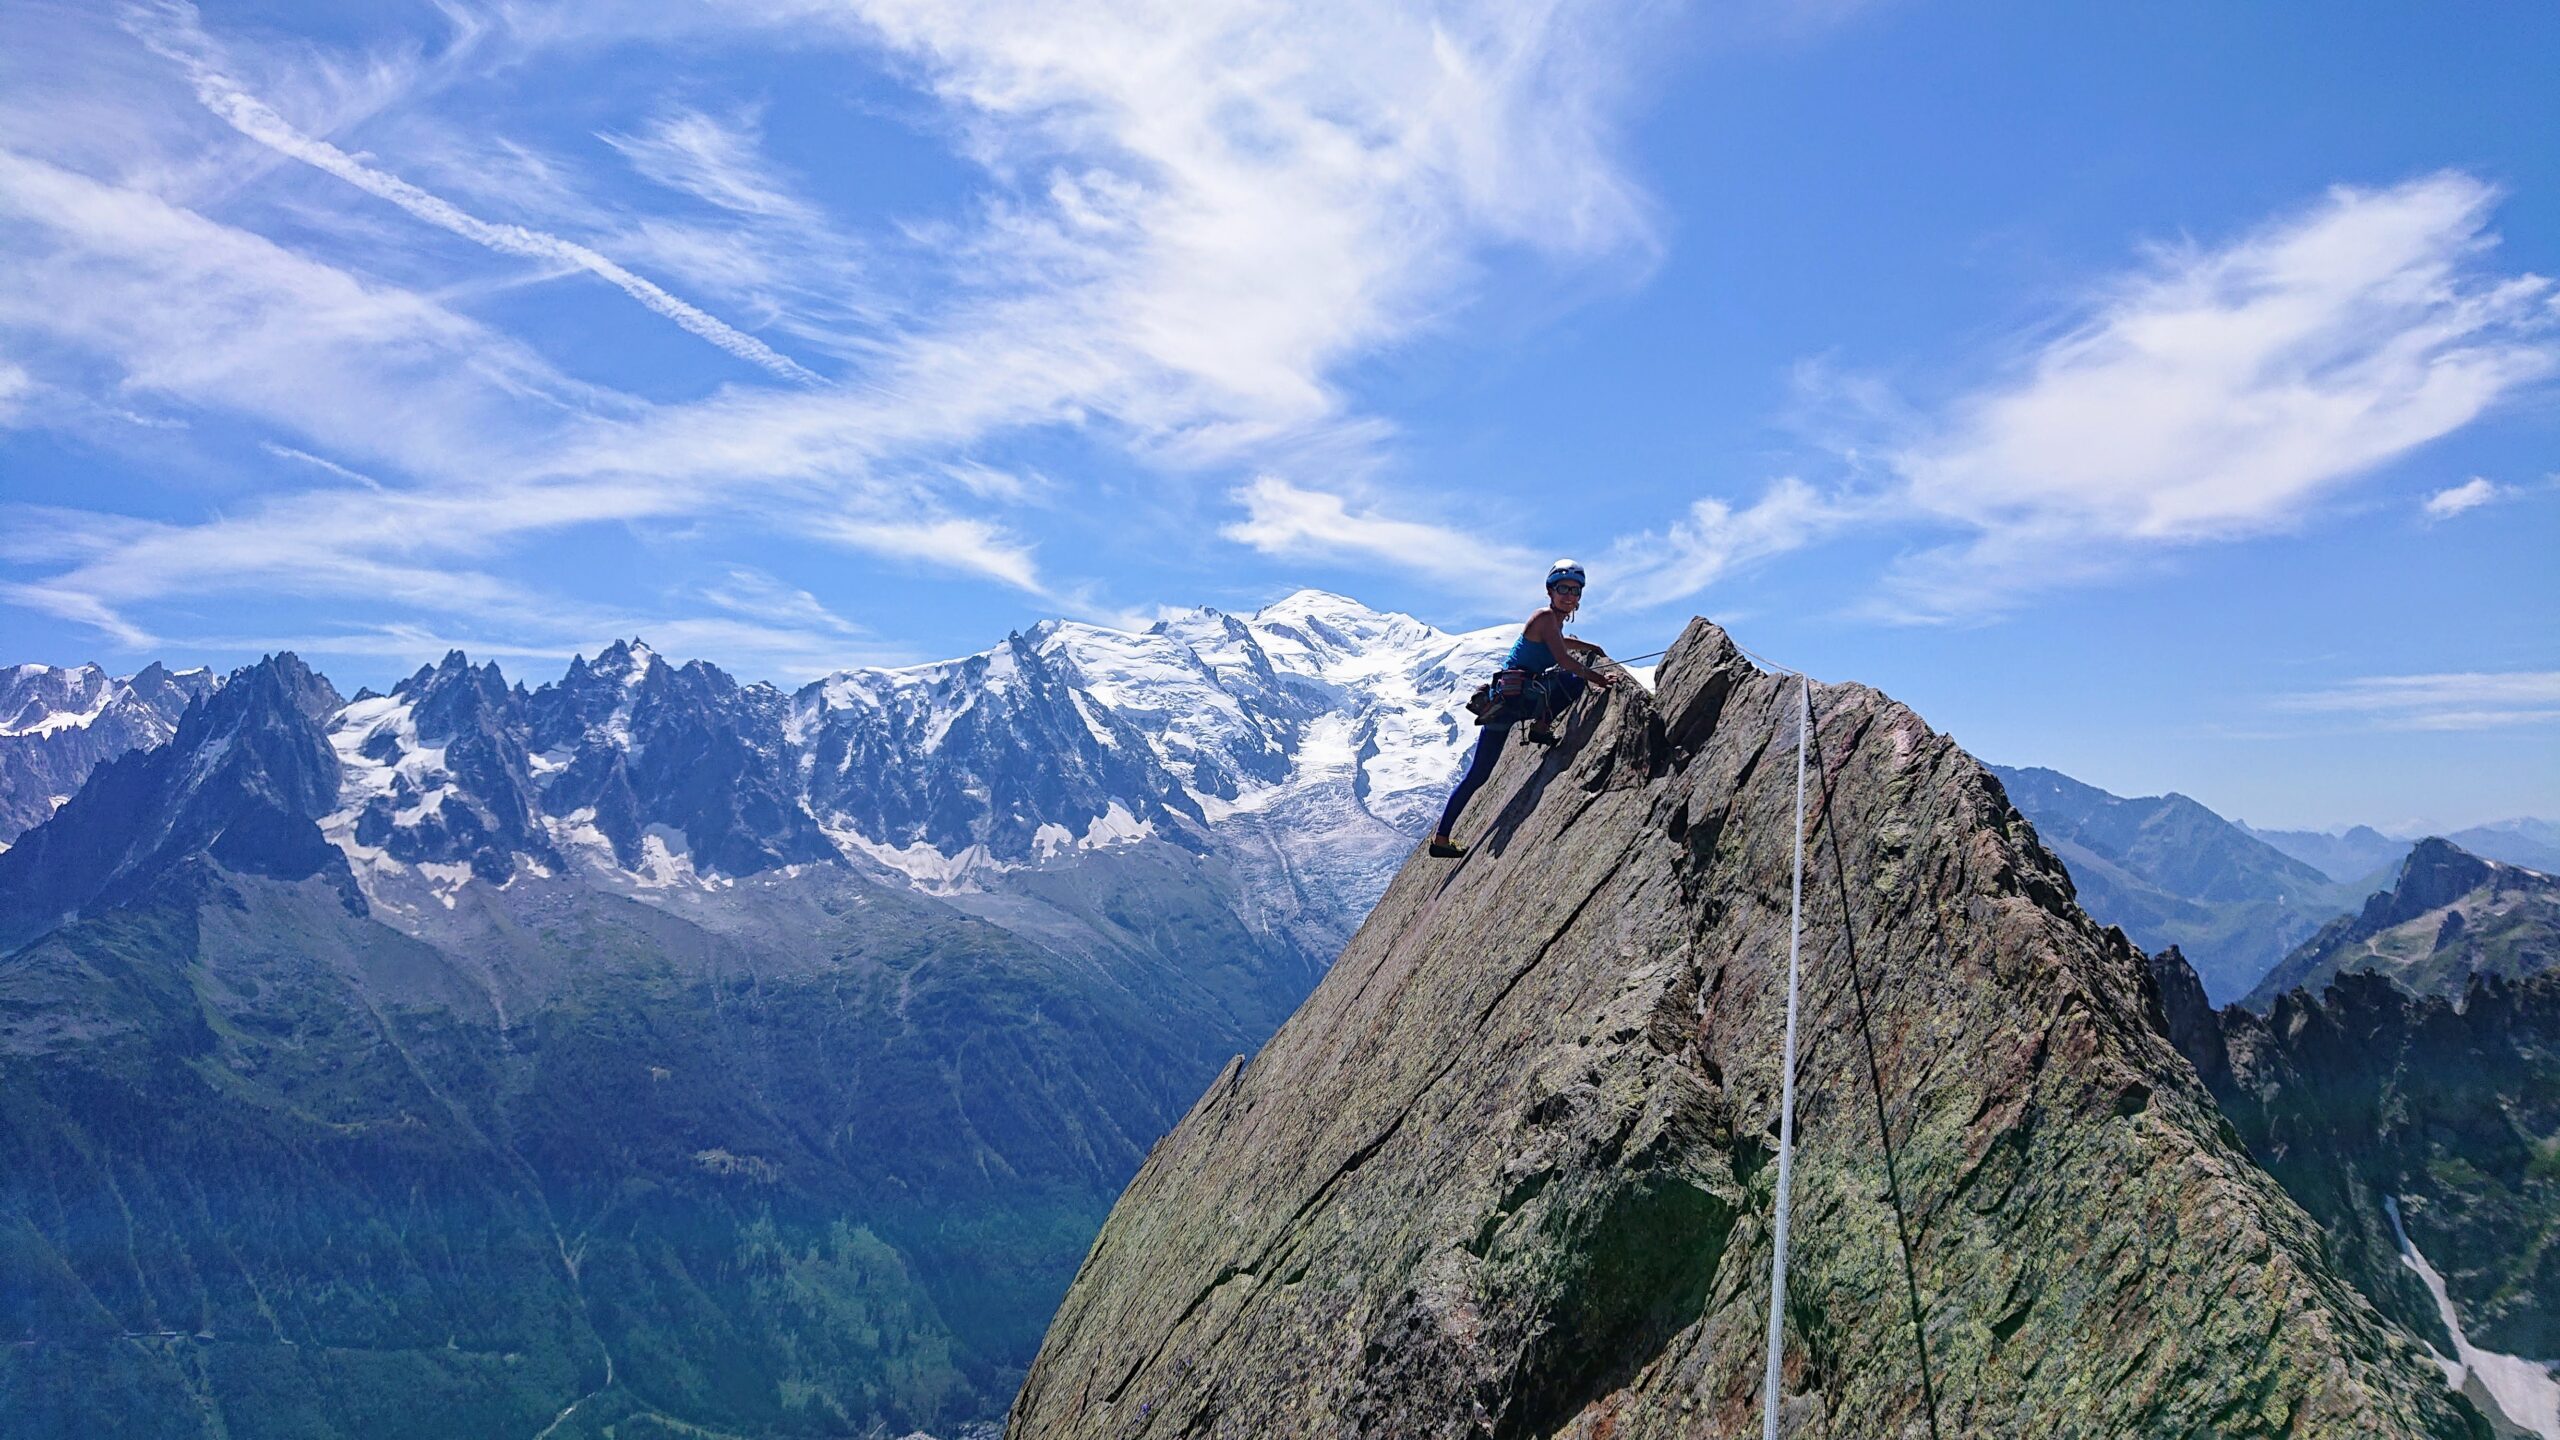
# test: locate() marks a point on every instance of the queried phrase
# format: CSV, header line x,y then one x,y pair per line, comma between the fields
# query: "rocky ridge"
x,y
1506,1172
2448,915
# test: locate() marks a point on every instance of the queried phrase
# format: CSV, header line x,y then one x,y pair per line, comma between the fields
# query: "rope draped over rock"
x,y
1787,1089
1808,734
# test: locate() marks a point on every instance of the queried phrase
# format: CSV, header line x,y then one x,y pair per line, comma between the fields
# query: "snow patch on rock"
x,y
2526,1390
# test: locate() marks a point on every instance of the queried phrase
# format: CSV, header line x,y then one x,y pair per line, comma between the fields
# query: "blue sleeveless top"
x,y
1530,655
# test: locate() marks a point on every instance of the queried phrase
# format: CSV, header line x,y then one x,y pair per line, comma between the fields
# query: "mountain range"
x,y
2360,852
2239,904
2448,916
2172,873
644,1050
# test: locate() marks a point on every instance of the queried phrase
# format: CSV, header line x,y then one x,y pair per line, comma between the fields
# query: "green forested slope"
x,y
816,1164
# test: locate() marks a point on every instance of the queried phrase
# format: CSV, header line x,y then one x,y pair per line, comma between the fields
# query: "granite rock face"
x,y
1507,1172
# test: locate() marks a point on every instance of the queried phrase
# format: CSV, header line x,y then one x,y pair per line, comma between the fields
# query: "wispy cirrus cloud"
x,y
219,317
17,387
1183,226
714,160
974,546
2469,700
1713,539
171,29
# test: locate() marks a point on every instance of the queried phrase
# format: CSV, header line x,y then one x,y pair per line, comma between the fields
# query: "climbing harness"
x,y
1808,735
1494,701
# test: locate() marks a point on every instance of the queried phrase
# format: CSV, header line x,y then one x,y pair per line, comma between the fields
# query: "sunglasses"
x,y
1568,588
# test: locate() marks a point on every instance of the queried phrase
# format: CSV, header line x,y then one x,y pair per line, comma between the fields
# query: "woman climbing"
x,y
1541,678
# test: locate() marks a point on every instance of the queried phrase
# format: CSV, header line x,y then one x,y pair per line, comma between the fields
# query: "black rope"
x,y
1875,1075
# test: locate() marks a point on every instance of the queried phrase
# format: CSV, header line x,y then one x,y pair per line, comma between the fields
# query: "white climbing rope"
x,y
1787,1089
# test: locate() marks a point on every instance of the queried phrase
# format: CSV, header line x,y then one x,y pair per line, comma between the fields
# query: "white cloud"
x,y
2471,494
2469,700
1204,209
1652,569
716,161
755,594
972,547
320,463
172,31
219,317
1186,222
17,387
2225,393
1298,523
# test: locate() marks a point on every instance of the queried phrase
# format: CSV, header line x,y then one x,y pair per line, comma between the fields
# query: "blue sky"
x,y
2166,393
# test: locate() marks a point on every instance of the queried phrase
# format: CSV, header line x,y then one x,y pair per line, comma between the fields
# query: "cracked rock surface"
x,y
1507,1172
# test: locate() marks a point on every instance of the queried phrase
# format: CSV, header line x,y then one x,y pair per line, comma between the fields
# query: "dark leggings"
x,y
1561,692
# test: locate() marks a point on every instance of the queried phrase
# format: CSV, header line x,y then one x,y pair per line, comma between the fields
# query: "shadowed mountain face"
x,y
2449,915
2368,1100
243,783
2168,871
1506,1172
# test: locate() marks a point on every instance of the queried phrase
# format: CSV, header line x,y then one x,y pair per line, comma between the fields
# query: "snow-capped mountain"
x,y
888,983
58,723
1307,744
1298,751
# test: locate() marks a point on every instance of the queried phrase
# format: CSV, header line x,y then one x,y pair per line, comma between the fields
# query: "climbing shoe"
x,y
1445,849
1541,733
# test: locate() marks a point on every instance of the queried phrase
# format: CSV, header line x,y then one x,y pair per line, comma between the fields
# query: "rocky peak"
x,y
2188,1018
454,697
58,724
437,773
1506,1172
2436,873
241,782
33,697
2448,916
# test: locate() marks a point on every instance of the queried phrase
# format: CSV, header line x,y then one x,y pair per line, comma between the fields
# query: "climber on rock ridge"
x,y
1540,679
